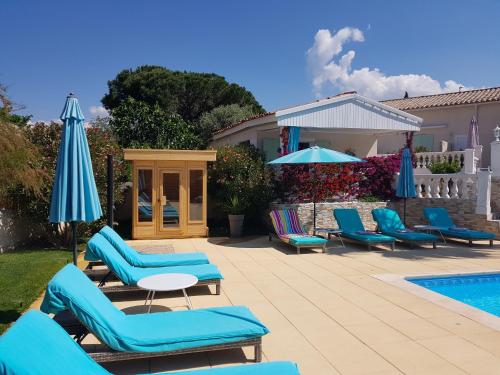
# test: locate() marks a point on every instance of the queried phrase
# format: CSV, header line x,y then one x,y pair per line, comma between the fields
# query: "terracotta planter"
x,y
236,225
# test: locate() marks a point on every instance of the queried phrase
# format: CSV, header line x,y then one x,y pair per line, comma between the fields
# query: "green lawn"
x,y
24,274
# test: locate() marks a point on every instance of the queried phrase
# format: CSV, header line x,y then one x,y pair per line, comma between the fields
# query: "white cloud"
x,y
98,111
328,66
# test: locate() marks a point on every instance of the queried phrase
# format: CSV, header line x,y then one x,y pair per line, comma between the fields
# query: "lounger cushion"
x,y
137,259
350,223
439,217
270,368
390,223
71,289
35,344
305,240
130,275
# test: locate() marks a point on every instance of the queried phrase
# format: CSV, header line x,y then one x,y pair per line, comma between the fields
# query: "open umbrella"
x,y
74,193
315,155
406,182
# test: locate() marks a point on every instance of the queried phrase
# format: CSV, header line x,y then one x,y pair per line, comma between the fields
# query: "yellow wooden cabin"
x,y
169,192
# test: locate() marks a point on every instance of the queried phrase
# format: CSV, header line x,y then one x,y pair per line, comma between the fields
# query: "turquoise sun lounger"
x,y
439,217
100,247
35,344
165,332
390,223
352,228
136,259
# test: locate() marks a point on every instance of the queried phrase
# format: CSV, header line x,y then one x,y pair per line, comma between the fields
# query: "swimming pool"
x,y
478,290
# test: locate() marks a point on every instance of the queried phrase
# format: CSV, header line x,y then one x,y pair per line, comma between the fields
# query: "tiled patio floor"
x,y
330,315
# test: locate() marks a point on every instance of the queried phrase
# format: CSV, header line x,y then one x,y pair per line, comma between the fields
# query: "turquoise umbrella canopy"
x,y
406,182
316,155
74,193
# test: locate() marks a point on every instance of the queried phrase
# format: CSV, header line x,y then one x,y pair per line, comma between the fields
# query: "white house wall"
x,y
347,114
445,123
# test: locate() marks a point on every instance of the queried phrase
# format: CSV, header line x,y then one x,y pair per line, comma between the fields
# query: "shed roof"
x,y
182,155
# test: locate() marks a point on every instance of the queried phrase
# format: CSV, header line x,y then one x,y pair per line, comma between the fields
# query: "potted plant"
x,y
236,214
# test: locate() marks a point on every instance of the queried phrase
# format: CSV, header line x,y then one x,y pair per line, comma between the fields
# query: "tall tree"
x,y
188,94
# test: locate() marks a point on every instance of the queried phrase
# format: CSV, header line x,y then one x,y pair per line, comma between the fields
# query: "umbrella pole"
x,y
404,212
314,202
73,241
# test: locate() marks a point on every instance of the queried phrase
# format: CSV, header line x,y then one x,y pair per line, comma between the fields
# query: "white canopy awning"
x,y
350,112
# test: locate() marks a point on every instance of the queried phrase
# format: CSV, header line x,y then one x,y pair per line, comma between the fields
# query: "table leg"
x,y
147,298
151,301
188,300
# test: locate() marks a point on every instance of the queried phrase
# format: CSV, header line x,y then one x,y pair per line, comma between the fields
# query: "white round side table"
x,y
165,283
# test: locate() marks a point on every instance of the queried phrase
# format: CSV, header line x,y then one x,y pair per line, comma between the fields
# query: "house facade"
x,y
346,122
446,119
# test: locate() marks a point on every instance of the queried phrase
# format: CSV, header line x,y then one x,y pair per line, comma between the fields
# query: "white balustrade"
x,y
446,186
466,159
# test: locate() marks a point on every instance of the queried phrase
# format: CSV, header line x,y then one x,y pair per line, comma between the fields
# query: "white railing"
x,y
464,158
446,186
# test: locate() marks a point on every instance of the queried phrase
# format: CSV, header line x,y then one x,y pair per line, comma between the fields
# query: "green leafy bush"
x,y
239,181
221,117
421,149
136,124
444,167
33,209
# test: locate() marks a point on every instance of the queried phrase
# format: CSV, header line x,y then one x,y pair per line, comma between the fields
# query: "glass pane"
x,y
195,195
145,195
170,199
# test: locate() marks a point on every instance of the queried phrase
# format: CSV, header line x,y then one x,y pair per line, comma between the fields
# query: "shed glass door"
x,y
170,200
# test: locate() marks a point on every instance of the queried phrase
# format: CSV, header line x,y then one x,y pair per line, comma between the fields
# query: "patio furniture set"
x,y
390,229
82,307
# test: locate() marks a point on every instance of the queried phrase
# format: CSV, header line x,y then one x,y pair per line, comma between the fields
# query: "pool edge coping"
x,y
473,313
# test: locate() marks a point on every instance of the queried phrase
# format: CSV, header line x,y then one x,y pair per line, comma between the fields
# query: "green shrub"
x,y
136,124
444,167
369,198
239,181
421,149
33,209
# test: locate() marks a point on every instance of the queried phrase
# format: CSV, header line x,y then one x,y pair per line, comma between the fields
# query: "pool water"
x,y
481,291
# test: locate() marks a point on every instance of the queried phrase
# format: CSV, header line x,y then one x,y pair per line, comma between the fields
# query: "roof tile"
x,y
491,94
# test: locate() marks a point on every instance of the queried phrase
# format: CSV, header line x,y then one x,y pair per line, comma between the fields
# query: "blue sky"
x,y
53,47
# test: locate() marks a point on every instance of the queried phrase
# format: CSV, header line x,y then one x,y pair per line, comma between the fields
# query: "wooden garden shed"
x,y
169,192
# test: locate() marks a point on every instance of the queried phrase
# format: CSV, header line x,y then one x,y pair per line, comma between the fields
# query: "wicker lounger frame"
x,y
113,356
314,246
470,241
413,243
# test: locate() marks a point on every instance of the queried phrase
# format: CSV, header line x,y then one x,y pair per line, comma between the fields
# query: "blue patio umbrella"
x,y
406,182
315,155
74,193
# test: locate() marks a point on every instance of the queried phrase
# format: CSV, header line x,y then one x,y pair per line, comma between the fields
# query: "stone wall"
x,y
462,211
495,194
324,212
